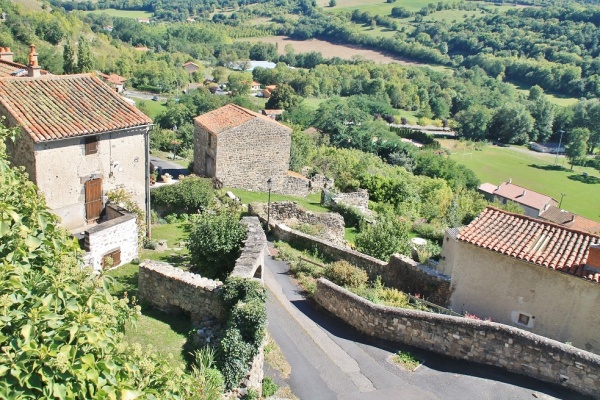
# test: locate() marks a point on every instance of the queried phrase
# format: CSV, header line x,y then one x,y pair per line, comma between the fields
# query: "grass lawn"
x,y
452,15
534,171
124,13
312,202
166,333
184,162
376,6
149,107
312,102
557,99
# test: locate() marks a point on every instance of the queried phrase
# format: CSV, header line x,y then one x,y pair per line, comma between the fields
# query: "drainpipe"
x,y
147,181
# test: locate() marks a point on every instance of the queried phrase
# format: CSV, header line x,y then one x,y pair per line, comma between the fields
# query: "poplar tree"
x,y
69,66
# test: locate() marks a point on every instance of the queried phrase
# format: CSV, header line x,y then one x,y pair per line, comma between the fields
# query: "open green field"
x,y
452,15
124,13
149,107
312,102
377,6
557,99
533,171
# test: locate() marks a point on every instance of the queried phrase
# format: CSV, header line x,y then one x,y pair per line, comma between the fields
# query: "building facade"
x,y
527,273
241,148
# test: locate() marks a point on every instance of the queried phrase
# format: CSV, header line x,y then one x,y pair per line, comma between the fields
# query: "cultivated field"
x,y
124,13
336,50
532,170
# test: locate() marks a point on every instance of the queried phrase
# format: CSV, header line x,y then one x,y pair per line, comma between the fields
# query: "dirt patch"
x,y
329,49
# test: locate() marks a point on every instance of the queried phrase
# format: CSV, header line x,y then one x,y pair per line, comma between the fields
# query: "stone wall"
x,y
120,232
171,289
483,342
295,185
250,263
290,213
319,182
400,272
358,199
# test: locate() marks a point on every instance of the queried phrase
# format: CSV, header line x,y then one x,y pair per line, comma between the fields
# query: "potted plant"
x,y
167,178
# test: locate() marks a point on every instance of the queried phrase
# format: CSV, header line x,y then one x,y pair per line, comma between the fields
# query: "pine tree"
x,y
69,66
84,57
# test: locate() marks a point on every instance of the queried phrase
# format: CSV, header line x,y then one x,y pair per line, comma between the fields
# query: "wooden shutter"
x,y
115,255
91,145
93,199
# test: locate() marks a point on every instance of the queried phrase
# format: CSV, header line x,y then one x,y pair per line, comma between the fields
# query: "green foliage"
x,y
69,65
191,194
302,147
345,274
387,236
247,317
309,229
269,387
406,360
246,326
575,149
60,330
214,243
352,215
205,371
85,62
239,83
238,289
283,98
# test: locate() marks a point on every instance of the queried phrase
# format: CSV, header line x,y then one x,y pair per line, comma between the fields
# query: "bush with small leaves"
x,y
345,274
241,289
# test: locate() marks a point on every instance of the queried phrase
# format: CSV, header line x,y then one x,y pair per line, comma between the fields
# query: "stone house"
x,y
570,220
241,148
79,140
273,114
10,68
255,86
191,67
528,273
115,81
533,203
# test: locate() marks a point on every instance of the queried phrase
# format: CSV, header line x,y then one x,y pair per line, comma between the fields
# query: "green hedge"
x,y
246,327
191,195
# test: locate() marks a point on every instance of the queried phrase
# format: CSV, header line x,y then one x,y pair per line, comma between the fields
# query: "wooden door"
x,y
93,199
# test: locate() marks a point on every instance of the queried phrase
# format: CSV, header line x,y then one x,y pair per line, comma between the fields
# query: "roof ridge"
x,y
47,77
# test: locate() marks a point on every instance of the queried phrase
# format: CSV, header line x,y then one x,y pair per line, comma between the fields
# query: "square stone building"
x,y
242,149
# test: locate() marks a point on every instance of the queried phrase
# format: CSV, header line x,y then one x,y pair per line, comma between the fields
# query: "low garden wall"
x,y
171,289
289,212
400,272
483,342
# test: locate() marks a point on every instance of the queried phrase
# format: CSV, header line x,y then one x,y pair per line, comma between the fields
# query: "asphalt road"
x,y
331,360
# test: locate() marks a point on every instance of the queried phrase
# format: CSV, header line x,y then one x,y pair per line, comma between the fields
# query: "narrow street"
x,y
331,360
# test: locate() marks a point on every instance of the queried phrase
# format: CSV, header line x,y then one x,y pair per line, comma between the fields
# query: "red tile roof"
x,y
532,240
570,220
113,78
518,194
8,68
229,116
60,106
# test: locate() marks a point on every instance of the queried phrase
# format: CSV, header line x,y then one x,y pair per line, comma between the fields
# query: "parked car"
x,y
155,98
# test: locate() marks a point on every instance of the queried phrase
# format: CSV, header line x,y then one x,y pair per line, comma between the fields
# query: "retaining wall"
x,y
400,272
483,342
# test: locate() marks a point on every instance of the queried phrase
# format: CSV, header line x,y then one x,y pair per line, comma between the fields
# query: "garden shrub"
x,y
429,231
269,388
246,326
313,230
241,289
250,318
352,215
190,195
214,244
345,274
389,235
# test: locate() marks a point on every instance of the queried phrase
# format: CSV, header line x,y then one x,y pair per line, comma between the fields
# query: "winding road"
x,y
331,360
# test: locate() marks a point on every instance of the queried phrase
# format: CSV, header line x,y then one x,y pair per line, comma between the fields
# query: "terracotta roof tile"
x,y
229,116
518,194
60,106
7,68
532,240
570,220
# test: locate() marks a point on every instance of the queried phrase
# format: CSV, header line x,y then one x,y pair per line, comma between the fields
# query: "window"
x,y
209,139
112,259
91,145
523,319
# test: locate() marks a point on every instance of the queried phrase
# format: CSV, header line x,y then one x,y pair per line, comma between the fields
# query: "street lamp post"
x,y
269,184
175,141
558,148
561,198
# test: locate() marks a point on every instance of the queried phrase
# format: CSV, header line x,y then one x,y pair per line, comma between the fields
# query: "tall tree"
x,y
542,112
239,83
512,123
84,57
283,98
474,122
576,147
69,65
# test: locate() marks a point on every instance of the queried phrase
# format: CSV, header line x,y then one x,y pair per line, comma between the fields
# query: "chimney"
x,y
593,259
509,180
524,193
6,54
33,69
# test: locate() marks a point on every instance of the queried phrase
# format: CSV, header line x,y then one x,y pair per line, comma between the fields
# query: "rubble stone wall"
x,y
479,341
